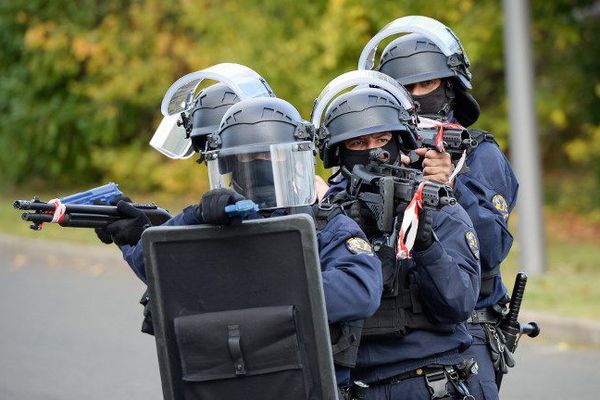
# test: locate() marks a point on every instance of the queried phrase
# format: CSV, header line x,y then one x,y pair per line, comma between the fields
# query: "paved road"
x,y
69,329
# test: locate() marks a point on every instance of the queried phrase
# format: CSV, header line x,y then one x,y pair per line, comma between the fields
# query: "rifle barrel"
x,y
76,208
71,220
32,205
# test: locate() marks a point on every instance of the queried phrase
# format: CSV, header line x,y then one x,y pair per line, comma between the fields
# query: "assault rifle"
x,y
82,210
384,188
443,136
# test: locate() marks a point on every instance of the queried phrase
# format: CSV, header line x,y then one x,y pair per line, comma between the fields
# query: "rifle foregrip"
x,y
517,298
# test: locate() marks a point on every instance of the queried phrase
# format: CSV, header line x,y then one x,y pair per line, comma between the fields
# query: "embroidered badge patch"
x,y
357,245
472,243
501,205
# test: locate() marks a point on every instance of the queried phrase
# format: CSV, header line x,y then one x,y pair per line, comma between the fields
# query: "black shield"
x,y
239,310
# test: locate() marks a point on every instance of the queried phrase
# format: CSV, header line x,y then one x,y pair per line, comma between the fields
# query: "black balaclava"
x,y
255,180
438,102
350,158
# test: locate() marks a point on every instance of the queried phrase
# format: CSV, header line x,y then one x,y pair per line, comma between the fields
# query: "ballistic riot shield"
x,y
239,311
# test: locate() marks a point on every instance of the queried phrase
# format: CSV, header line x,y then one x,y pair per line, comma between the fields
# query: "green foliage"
x,y
82,81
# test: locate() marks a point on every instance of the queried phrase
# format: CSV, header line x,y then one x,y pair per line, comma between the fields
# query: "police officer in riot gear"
x,y
264,152
411,347
438,89
440,84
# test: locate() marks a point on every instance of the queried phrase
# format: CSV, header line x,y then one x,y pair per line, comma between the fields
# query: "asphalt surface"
x,y
70,320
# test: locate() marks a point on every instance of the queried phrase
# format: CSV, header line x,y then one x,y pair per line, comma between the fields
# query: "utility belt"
x,y
484,316
438,378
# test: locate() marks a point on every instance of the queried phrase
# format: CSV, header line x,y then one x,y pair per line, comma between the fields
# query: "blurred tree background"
x,y
81,81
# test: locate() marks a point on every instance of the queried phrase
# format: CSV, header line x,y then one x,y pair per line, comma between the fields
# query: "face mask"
x,y
254,179
438,102
350,158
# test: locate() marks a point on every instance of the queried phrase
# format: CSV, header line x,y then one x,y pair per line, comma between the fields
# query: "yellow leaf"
x,y
559,118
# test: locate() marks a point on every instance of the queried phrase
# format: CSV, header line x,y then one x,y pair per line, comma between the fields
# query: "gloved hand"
x,y
424,238
365,219
502,358
213,202
389,270
102,233
129,229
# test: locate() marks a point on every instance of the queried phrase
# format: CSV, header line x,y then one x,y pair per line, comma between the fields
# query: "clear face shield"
x,y
273,176
357,79
434,30
170,138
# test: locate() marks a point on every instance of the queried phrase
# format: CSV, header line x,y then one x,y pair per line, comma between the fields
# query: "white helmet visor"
x,y
170,139
434,30
273,176
358,78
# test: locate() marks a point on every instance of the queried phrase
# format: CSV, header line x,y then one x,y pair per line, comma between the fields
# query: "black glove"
x,y
129,229
424,238
212,205
102,233
501,356
389,270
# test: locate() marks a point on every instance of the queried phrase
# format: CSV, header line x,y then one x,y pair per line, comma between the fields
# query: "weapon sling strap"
x,y
482,136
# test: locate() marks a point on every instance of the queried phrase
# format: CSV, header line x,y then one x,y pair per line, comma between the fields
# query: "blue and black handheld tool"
x,y
241,209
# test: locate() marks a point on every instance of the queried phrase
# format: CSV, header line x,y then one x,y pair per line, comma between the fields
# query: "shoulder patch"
x,y
472,243
358,245
501,205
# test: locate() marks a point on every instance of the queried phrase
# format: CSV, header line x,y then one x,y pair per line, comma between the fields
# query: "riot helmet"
x,y
208,110
367,109
173,137
429,50
361,112
264,150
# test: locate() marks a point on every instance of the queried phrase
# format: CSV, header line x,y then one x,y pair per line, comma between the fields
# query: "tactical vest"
x,y
345,336
401,309
488,277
